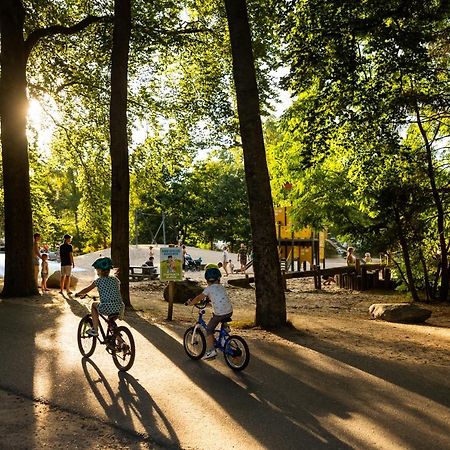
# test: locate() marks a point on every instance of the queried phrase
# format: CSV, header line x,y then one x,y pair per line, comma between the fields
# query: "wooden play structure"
x,y
298,247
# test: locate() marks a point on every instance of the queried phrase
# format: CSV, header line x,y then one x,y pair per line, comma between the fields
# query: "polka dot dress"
x,y
110,299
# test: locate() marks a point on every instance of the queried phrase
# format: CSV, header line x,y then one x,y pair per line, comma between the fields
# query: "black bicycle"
x,y
118,340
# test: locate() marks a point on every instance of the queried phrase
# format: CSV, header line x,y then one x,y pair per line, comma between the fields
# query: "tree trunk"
x,y
19,271
120,178
406,257
270,299
443,295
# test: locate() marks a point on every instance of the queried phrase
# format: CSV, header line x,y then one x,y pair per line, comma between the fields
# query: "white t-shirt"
x,y
219,299
225,256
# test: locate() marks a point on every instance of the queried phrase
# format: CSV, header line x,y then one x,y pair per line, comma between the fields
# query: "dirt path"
x,y
336,380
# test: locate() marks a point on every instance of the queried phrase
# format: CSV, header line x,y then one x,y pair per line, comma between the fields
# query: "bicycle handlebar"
x,y
200,305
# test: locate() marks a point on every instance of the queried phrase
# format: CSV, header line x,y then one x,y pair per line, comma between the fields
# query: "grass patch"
x,y
243,324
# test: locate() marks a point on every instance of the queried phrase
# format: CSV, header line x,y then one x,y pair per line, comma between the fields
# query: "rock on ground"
x,y
399,312
54,280
183,291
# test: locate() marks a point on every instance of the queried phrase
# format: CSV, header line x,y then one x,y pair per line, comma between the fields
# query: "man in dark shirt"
x,y
66,256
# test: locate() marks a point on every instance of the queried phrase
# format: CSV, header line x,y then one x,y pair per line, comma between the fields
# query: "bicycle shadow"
x,y
130,402
251,402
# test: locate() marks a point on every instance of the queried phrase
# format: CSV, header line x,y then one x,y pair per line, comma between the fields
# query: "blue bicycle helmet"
x,y
103,263
212,272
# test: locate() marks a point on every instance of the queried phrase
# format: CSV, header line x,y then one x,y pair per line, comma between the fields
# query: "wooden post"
x,y
171,295
364,279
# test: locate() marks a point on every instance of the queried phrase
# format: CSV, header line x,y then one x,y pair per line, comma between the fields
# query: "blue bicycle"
x,y
235,349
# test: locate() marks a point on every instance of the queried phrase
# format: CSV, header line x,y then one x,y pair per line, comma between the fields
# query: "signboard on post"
x,y
171,264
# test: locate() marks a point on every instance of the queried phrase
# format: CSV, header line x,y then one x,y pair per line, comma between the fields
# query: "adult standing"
x,y
351,258
67,263
242,257
225,260
36,256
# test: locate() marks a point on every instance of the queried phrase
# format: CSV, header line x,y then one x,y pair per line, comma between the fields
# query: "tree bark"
x,y
120,178
443,295
270,299
406,257
19,271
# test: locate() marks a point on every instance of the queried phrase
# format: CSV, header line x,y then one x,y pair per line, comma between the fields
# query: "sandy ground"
x,y
332,321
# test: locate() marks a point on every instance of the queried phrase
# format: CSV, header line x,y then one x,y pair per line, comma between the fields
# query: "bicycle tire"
x,y
86,343
194,345
236,353
124,351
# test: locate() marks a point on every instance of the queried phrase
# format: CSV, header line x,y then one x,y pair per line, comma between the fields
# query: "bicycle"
x,y
118,340
234,348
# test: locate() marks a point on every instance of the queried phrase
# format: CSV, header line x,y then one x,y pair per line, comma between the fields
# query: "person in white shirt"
x,y
222,308
225,260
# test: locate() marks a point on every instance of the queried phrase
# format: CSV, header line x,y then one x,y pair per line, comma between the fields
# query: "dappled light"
x,y
225,224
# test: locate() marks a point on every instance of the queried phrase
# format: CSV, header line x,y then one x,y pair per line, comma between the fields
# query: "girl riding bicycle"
x,y
109,291
222,308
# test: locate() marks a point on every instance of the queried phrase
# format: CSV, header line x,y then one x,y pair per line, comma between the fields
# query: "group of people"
x,y
351,258
108,285
226,262
41,262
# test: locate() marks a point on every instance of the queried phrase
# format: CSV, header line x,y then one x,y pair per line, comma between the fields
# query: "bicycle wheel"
x,y
124,350
86,343
236,353
194,343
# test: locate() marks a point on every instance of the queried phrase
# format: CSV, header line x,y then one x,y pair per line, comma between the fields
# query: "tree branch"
x,y
34,37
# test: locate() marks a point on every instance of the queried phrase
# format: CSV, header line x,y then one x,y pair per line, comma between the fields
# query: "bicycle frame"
x,y
110,327
220,335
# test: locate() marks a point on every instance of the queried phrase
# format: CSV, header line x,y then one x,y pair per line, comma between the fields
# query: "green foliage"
x,y
365,143
203,202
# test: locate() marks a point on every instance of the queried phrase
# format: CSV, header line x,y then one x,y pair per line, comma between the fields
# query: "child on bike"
x,y
109,291
222,308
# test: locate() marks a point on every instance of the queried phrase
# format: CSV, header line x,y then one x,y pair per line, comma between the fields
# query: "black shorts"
x,y
215,320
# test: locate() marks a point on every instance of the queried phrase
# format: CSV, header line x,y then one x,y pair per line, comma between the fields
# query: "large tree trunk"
x,y
270,300
120,184
19,271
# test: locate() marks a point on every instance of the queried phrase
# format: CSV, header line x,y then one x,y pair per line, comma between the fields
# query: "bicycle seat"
x,y
113,317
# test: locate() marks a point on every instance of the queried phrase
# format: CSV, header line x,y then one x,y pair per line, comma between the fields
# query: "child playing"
x,y
222,308
44,272
109,290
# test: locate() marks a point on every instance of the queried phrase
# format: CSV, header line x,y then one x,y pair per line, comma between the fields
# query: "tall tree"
x,y
19,278
120,177
270,299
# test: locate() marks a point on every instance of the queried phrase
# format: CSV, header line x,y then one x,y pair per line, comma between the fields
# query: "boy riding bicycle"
x,y
222,308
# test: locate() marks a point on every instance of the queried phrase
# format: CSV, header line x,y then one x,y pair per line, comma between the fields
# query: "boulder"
x,y
183,291
399,312
240,282
54,280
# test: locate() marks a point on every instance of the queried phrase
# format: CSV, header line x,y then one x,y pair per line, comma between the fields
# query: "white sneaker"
x,y
210,354
92,332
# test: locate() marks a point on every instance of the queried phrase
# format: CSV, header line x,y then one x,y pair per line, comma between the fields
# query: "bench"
x,y
140,273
